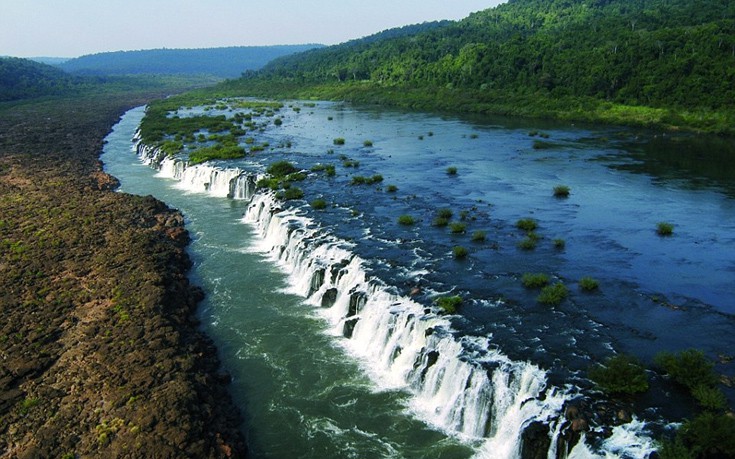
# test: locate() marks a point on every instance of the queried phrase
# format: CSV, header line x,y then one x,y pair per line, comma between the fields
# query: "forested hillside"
x,y
23,78
673,54
227,62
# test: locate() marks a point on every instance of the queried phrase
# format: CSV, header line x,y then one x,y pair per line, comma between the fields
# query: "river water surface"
x,y
377,371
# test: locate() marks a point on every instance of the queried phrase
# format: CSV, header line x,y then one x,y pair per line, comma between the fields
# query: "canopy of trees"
x,y
658,53
23,78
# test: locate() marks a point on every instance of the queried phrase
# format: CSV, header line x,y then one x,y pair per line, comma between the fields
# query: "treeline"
x,y
228,62
23,79
655,53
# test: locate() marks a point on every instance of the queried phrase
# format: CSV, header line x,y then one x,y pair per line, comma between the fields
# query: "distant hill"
x,y
24,78
50,60
227,62
667,54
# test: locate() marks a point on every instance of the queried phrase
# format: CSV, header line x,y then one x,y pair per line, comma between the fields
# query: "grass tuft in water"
x,y
664,229
527,224
449,304
561,191
535,280
589,284
553,294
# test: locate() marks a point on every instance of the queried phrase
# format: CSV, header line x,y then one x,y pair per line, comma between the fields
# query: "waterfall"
x,y
200,178
463,386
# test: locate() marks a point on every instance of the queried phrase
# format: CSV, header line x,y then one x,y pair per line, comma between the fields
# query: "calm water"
x,y
306,394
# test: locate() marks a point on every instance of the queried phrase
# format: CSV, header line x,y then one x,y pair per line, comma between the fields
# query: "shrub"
x,y
559,244
318,204
478,236
460,252
689,368
391,188
278,121
528,243
709,435
444,213
339,141
710,398
449,304
541,145
527,224
535,280
406,220
621,374
553,294
360,180
295,177
272,183
664,229
561,191
440,222
281,169
457,227
290,193
451,170
367,143
588,284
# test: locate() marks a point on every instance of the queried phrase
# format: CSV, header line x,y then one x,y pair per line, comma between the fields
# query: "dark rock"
x,y
329,298
535,441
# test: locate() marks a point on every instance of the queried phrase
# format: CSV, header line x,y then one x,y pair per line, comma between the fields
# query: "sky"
x,y
71,28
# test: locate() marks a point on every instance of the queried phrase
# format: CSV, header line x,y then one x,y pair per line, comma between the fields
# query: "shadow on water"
x,y
686,161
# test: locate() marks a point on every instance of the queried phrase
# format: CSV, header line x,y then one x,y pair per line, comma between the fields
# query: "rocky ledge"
x,y
100,350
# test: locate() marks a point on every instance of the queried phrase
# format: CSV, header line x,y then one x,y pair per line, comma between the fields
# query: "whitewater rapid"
x,y
464,386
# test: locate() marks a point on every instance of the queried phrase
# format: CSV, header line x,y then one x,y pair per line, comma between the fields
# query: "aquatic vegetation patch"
x,y
318,204
527,224
479,236
553,294
449,304
561,191
589,284
664,229
620,374
535,280
218,151
406,220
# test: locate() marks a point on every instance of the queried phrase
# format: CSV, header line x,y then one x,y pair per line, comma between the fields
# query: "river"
x,y
376,370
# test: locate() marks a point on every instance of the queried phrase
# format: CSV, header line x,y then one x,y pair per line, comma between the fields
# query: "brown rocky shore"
x,y
100,350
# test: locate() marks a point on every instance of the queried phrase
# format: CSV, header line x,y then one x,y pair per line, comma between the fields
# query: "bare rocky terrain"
x,y
100,351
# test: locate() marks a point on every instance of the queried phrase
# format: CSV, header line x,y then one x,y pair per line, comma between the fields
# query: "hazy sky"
x,y
70,28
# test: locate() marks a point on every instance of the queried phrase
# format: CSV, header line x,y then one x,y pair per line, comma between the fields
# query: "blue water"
x,y
305,398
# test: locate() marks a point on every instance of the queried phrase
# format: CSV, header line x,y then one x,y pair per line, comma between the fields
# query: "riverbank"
x,y
537,105
100,351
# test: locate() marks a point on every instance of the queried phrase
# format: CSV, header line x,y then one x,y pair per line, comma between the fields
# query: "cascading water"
x,y
464,385
232,183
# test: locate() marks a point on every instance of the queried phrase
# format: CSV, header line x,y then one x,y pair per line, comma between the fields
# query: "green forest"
x,y
648,62
23,78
